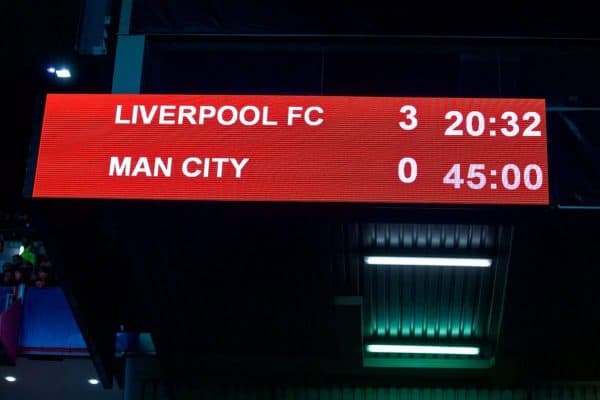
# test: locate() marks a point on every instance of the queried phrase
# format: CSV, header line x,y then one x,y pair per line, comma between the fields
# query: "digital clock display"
x,y
389,150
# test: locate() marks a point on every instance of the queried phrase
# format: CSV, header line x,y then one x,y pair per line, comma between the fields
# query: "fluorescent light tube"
x,y
430,261
410,349
63,73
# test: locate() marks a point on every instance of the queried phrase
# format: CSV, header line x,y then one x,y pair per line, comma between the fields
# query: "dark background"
x,y
146,254
526,51
35,35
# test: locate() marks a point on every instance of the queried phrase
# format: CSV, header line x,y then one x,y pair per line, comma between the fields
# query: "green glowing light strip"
x,y
410,349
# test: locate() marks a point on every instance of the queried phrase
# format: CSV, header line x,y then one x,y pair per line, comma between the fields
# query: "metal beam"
x,y
416,44
125,17
129,62
567,109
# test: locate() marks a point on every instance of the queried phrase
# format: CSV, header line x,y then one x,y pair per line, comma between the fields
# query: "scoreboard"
x,y
339,149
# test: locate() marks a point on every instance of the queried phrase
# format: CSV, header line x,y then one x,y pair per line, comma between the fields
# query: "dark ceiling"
x,y
510,18
35,35
247,289
65,379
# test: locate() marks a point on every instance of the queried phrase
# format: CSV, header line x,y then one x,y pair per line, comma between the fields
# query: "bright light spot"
x,y
10,379
63,73
51,70
407,349
430,261
93,381
21,250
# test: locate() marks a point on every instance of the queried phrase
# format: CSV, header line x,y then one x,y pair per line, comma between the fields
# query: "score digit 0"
x,y
407,170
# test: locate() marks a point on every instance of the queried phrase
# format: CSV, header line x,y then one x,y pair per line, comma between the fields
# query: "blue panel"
x,y
4,290
129,59
48,321
125,16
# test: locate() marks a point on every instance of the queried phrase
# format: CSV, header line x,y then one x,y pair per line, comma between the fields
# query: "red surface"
x,y
10,323
351,157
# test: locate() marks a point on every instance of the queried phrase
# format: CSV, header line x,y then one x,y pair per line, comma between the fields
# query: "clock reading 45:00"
x,y
478,177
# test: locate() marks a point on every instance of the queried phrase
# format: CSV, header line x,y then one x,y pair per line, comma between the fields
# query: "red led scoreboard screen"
x,y
294,148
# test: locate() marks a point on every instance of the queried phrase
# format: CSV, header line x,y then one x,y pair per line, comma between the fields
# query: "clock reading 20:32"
x,y
475,123
478,176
